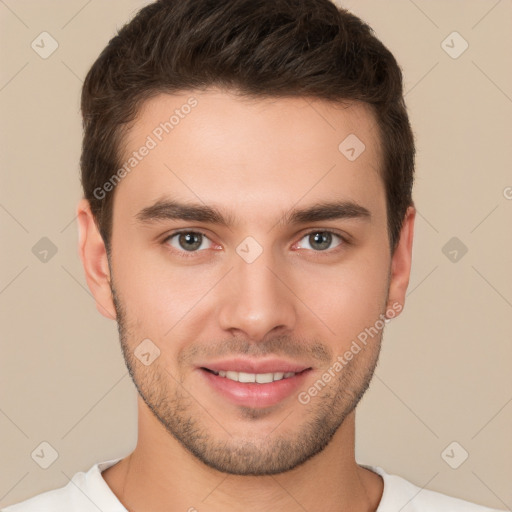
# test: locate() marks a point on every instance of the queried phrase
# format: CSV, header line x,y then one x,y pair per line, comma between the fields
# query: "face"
x,y
249,257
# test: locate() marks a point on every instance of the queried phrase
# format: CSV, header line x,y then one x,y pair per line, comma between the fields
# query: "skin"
x,y
257,160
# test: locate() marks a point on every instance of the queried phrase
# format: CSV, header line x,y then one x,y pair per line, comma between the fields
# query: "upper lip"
x,y
255,366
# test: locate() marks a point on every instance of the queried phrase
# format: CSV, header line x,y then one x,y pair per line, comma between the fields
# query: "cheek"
x,y
157,294
351,297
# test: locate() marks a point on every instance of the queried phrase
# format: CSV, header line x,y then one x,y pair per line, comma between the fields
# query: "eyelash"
x,y
190,254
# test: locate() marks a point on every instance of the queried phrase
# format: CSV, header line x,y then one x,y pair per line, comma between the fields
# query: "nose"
x,y
257,299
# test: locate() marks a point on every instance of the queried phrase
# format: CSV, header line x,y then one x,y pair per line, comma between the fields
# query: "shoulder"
x,y
56,500
85,492
400,494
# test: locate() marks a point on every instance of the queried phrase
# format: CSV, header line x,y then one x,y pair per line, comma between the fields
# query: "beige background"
x,y
445,370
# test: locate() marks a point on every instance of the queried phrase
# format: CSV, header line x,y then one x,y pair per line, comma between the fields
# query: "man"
x,y
248,221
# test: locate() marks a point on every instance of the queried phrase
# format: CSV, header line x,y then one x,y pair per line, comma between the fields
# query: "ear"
x,y
94,260
401,263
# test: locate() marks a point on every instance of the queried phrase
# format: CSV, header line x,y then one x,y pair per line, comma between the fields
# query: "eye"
x,y
188,241
320,240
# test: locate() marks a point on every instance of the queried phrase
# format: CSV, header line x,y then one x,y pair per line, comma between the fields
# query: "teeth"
x,y
264,378
246,377
260,378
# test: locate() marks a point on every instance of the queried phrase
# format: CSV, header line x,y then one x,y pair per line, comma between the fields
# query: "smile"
x,y
259,378
261,387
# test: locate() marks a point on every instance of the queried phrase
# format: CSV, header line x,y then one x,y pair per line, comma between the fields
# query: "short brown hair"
x,y
260,48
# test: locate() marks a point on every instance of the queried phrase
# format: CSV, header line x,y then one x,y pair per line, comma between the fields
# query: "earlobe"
x,y
93,254
401,263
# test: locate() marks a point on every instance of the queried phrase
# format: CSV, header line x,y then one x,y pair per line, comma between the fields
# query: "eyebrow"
x,y
167,209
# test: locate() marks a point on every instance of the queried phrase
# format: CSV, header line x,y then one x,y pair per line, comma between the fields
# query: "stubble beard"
x,y
187,421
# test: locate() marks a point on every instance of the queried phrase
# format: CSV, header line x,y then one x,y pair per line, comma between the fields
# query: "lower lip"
x,y
252,394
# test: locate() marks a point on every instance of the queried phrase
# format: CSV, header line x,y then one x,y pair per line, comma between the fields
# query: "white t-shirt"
x,y
88,492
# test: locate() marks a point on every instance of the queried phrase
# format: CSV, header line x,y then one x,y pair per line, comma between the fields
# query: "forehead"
x,y
221,148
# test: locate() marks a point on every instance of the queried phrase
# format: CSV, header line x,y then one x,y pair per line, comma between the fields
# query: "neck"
x,y
161,475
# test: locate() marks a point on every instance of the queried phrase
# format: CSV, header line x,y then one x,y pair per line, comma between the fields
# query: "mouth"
x,y
259,378
254,383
